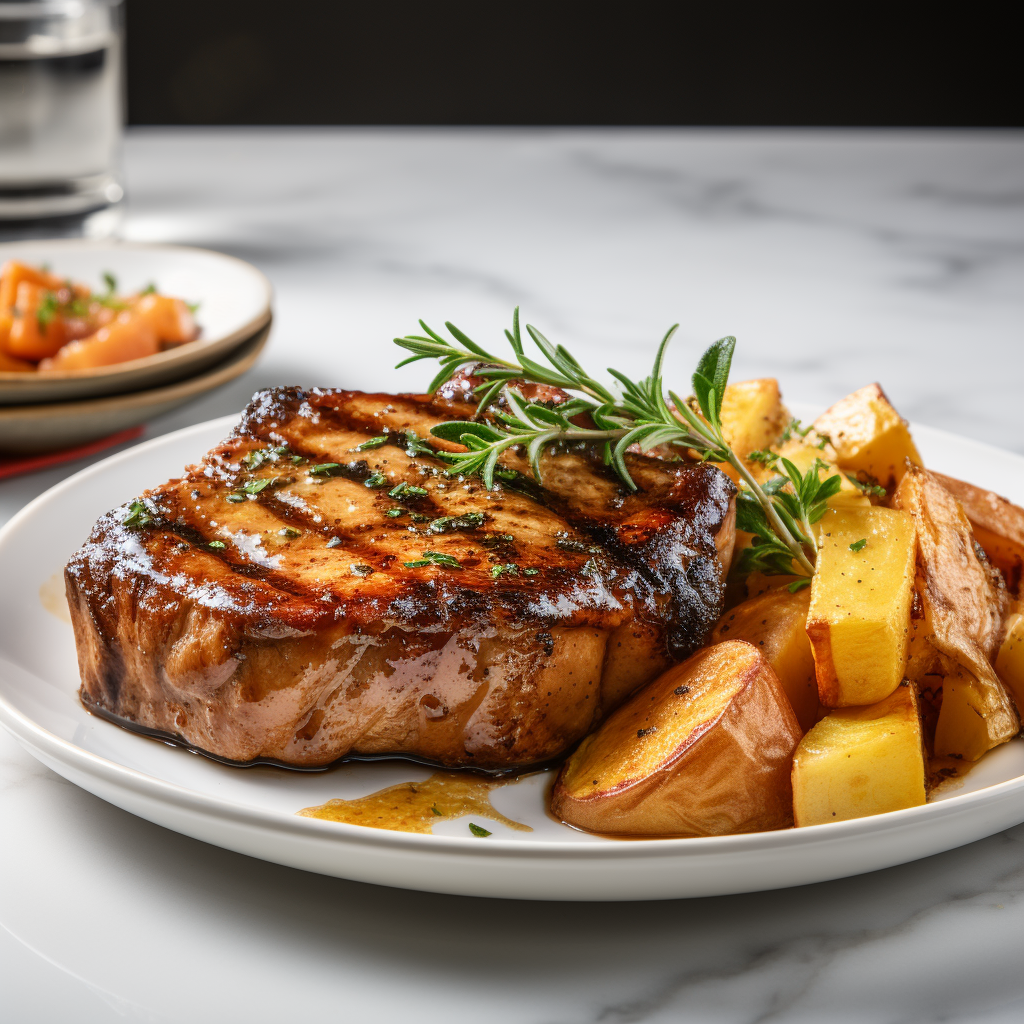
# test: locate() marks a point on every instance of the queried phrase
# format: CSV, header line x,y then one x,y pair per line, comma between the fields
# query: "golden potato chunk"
x,y
703,750
753,416
869,435
965,604
774,623
998,526
859,613
860,761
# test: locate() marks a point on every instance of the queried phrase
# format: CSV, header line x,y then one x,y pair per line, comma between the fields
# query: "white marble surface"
x,y
836,260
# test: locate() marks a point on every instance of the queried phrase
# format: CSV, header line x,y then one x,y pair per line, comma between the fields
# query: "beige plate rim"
x,y
208,379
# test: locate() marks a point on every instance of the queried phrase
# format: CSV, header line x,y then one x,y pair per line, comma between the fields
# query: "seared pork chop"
x,y
321,586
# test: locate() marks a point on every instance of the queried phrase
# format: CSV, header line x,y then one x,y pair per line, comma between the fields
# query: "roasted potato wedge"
x,y
861,761
965,605
1010,659
703,750
998,526
775,624
868,435
861,593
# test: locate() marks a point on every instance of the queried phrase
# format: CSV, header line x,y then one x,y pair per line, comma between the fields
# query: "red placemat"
x,y
17,464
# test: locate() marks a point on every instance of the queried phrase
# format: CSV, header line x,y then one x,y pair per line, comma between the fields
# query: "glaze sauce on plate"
x,y
417,806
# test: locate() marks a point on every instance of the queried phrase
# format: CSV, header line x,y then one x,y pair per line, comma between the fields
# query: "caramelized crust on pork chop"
x,y
321,586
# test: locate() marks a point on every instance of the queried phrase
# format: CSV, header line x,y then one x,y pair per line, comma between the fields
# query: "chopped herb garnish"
x,y
478,831
289,531
361,570
434,558
467,521
234,497
47,310
255,486
414,446
508,569
110,281
216,544
419,517
375,480
150,289
793,428
324,468
297,459
334,542
859,545
434,810
531,572
138,516
825,439
255,459
394,513
405,490
766,458
373,442
865,488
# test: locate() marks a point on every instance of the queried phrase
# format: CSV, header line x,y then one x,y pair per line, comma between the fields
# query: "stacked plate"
x,y
46,412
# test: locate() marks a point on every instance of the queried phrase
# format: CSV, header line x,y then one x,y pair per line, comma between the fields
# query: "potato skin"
x,y
704,750
774,623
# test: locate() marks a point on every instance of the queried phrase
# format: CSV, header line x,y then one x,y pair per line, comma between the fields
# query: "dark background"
x,y
457,63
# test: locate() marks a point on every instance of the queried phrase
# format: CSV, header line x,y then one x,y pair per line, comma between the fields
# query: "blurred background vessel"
x,y
61,116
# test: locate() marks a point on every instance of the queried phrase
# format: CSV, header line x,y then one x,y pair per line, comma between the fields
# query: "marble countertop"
x,y
836,259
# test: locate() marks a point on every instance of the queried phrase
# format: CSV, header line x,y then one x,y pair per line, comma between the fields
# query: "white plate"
x,y
253,810
234,303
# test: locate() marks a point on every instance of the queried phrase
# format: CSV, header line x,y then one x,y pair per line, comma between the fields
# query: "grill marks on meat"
x,y
285,624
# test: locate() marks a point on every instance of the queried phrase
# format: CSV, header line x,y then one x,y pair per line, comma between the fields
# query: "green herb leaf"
x,y
376,480
448,524
434,810
859,545
508,569
217,545
478,831
110,281
324,468
456,430
867,488
434,558
139,516
289,531
404,490
373,442
256,486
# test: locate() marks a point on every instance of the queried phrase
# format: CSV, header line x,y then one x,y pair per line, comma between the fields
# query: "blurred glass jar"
x,y
61,108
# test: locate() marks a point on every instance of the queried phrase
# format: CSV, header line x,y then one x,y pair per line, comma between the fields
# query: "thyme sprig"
x,y
642,413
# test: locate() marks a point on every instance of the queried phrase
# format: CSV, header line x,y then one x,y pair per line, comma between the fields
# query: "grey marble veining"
x,y
836,259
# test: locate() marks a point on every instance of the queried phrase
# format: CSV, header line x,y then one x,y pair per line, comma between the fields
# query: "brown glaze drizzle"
x,y
417,806
53,597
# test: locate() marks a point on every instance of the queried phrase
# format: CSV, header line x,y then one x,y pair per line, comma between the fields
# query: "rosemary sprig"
x,y
640,414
